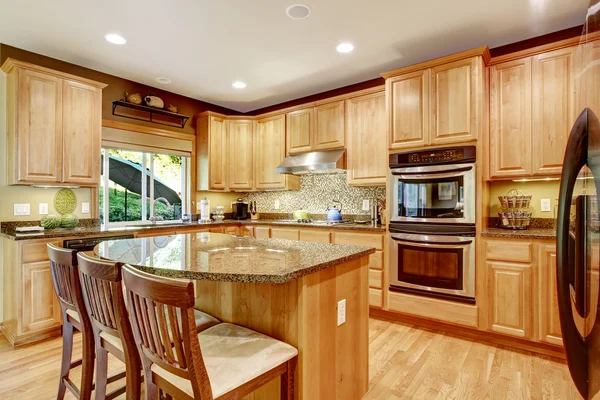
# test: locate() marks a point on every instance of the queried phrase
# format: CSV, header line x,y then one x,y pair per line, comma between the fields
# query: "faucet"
x,y
154,218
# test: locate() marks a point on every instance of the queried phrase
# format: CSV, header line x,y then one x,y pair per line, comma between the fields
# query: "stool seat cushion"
x,y
233,355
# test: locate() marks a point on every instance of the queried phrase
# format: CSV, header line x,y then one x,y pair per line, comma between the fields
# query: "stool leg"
x,y
133,377
87,366
101,369
67,352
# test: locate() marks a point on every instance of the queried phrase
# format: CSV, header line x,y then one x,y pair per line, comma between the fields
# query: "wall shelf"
x,y
182,119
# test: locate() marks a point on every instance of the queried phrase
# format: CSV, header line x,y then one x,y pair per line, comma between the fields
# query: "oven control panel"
x,y
448,155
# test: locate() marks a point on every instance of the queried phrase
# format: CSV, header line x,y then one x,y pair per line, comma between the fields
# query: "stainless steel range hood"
x,y
317,162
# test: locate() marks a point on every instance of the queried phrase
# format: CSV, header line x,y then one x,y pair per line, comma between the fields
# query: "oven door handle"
x,y
431,239
450,173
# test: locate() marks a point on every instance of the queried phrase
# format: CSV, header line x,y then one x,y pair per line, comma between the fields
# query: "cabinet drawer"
x,y
315,236
375,297
359,239
289,234
218,229
247,230
375,278
508,251
33,252
376,260
262,232
232,230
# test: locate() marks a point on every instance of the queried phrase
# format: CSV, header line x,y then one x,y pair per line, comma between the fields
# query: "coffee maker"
x,y
240,209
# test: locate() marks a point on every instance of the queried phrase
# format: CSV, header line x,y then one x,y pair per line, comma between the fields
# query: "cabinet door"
x,y
40,305
367,128
285,233
247,231
36,106
409,110
269,151
217,153
548,318
454,101
232,230
299,131
509,299
510,119
240,155
552,109
262,232
330,131
82,124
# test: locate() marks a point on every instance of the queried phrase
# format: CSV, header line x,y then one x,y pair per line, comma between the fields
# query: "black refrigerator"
x,y
578,226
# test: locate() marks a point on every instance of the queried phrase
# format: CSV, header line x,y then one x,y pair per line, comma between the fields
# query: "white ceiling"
x,y
205,45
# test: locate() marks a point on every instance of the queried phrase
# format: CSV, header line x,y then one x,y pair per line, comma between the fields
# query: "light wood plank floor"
x,y
406,362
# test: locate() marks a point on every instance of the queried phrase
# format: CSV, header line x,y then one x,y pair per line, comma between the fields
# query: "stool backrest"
x,y
65,277
162,317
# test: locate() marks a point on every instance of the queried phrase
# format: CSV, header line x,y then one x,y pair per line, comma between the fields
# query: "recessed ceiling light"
x,y
163,81
238,85
297,11
345,47
115,39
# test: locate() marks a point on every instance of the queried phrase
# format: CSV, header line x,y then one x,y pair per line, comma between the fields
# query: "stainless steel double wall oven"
x,y
432,223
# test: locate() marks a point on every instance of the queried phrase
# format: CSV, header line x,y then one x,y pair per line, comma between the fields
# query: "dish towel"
x,y
445,190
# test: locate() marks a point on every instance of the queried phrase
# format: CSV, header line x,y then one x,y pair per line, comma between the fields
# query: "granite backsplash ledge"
x,y
316,194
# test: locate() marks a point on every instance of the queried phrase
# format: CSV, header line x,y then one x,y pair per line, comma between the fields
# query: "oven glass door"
x,y
434,196
433,263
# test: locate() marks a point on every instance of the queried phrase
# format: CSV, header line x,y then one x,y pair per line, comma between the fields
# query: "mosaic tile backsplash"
x,y
316,194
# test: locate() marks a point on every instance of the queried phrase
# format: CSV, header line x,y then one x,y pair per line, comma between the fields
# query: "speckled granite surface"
x,y
220,257
97,230
532,233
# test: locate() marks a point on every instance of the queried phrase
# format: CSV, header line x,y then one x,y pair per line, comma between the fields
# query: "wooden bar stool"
x,y
225,361
65,276
105,305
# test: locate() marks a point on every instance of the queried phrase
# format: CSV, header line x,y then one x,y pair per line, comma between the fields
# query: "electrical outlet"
x,y
341,312
43,209
366,206
277,204
85,208
545,205
22,209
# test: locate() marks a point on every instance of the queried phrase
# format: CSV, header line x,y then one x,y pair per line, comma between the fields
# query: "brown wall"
x,y
116,87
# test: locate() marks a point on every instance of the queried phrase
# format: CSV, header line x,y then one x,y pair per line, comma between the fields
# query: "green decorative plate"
x,y
65,201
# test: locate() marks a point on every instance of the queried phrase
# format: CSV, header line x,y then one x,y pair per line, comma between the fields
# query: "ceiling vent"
x,y
297,11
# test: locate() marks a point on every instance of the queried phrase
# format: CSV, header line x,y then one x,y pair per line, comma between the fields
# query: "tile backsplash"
x,y
316,193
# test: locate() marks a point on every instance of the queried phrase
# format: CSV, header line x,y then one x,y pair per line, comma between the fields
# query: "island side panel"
x,y
333,361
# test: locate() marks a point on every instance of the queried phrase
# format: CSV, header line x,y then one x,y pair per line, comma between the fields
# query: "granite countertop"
x,y
531,233
122,230
221,257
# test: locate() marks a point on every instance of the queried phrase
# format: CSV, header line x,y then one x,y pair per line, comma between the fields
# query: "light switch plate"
x,y
545,205
341,317
277,204
43,209
85,208
22,209
366,205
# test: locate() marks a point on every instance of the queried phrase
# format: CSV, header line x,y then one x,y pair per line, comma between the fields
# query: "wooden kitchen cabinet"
x,y
367,128
212,151
40,304
509,298
548,320
409,109
552,115
330,130
262,232
269,152
246,230
300,131
438,102
285,233
240,155
232,230
53,126
315,235
510,119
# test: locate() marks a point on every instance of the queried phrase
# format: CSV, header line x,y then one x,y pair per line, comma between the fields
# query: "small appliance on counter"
x,y
204,210
240,209
513,214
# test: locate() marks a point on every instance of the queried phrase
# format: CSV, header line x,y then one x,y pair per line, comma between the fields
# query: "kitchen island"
x,y
285,289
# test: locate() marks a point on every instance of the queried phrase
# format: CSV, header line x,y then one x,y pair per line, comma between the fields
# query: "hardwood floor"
x,y
405,362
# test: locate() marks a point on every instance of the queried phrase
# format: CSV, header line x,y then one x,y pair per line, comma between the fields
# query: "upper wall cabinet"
x,y
316,128
240,162
531,104
269,151
212,149
437,103
54,126
367,128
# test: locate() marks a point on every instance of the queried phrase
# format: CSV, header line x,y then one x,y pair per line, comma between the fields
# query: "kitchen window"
x,y
141,186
